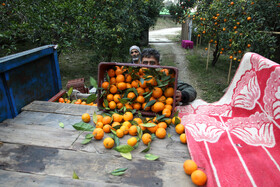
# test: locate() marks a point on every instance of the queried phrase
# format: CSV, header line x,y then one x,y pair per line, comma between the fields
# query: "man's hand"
x,y
178,97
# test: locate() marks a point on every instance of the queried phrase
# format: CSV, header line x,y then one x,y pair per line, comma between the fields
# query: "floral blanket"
x,y
236,140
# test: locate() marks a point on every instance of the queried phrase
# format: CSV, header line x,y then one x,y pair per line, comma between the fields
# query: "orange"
x,y
189,166
107,128
147,108
110,97
158,107
86,117
120,78
140,91
166,112
117,117
119,105
99,118
127,124
83,103
112,105
165,71
118,71
99,125
140,99
128,85
119,133
132,141
174,120
144,85
152,81
136,106
153,129
128,106
160,133
162,99
135,84
152,98
146,138
168,107
128,116
61,100
168,121
138,120
113,89
108,143
124,129
113,80
131,95
106,120
111,73
116,98
157,92
183,138
180,129
116,124
147,89
162,125
133,130
128,78
122,86
142,127
169,92
98,133
199,177
105,85
169,101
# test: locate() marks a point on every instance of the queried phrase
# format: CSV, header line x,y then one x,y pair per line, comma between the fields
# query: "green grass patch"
x,y
212,82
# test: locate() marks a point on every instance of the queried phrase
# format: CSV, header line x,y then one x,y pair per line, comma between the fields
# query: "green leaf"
x,y
150,103
91,98
147,149
139,132
128,155
106,103
93,82
148,124
75,176
118,173
169,135
119,170
151,157
89,136
160,117
61,125
124,148
70,92
86,141
142,80
94,117
82,126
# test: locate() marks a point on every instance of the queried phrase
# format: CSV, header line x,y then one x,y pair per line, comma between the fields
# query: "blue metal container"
x,y
28,76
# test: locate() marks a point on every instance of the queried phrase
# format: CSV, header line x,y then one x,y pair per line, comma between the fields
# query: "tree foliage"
x,y
238,26
109,27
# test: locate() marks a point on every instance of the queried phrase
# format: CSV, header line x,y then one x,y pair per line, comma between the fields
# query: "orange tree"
x,y
108,27
238,26
179,10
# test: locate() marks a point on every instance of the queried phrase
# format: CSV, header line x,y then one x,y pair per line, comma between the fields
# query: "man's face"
x,y
134,53
150,61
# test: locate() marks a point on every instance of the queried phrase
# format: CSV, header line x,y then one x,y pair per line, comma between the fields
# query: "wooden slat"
x,y
59,108
91,167
11,178
169,149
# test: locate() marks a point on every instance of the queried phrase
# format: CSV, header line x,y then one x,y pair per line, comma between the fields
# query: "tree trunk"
x,y
216,54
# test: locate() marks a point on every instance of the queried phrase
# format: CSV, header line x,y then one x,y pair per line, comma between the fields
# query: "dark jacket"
x,y
188,92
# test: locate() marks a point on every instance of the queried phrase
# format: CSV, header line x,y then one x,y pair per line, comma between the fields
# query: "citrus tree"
x,y
238,26
108,27
180,10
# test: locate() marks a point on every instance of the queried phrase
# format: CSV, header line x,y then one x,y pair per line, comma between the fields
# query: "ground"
x,y
171,50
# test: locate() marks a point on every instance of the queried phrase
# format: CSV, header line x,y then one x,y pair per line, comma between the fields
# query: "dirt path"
x,y
168,49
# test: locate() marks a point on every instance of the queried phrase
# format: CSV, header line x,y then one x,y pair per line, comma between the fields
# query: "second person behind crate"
x,y
185,93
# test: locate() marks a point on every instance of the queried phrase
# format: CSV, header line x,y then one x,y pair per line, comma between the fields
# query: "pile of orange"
x,y
78,101
143,89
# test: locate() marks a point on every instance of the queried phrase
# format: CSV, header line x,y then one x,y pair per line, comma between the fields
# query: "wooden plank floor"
x,y
35,151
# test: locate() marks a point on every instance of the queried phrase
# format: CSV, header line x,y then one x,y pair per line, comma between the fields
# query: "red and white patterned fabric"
x,y
236,139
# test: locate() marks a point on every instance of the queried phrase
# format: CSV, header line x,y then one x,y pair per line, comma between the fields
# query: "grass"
x,y
212,82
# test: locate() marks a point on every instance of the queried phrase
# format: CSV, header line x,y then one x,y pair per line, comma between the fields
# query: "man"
x,y
135,54
185,93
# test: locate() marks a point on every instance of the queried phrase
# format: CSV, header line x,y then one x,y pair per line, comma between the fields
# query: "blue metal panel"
x,y
5,107
28,76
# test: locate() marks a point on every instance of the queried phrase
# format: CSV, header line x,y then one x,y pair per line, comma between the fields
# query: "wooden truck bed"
x,y
36,151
